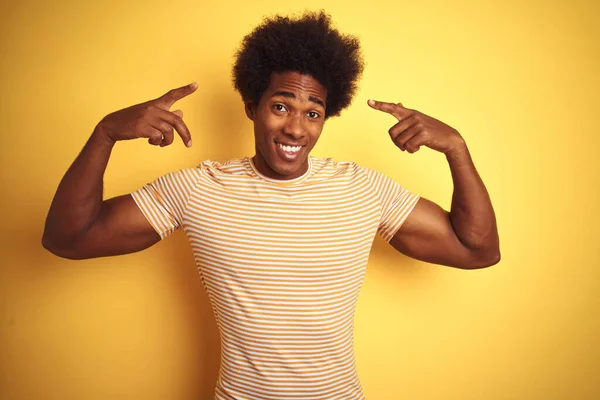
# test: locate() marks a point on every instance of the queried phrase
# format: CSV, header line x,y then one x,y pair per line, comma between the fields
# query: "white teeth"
x,y
291,149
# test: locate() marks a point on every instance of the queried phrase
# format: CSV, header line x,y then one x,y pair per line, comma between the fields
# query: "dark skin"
x,y
290,112
80,224
466,237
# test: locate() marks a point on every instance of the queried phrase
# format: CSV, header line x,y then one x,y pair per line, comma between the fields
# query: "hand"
x,y
415,129
151,120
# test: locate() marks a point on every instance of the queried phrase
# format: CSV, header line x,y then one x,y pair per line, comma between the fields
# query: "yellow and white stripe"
x,y
283,263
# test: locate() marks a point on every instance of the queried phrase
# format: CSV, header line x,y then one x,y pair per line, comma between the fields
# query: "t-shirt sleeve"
x,y
395,200
164,200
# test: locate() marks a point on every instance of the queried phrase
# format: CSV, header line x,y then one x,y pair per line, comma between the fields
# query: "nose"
x,y
294,127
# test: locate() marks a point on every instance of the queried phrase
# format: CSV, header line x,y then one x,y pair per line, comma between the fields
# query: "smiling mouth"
x,y
288,148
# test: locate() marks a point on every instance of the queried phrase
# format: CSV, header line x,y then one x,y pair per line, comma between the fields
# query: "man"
x,y
281,239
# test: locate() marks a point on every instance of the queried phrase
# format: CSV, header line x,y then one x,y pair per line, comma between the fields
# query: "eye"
x,y
313,115
279,107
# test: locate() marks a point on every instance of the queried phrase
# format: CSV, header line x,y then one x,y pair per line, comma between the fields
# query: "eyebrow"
x,y
293,96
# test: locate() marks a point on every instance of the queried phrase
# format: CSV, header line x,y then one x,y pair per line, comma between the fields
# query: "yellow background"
x,y
518,80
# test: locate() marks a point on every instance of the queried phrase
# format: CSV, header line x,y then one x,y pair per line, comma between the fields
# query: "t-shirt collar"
x,y
282,181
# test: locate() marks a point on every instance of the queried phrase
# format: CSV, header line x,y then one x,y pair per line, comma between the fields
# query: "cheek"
x,y
268,125
316,133
263,135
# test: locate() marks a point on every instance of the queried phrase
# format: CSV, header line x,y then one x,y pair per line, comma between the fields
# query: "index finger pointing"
x,y
173,95
390,108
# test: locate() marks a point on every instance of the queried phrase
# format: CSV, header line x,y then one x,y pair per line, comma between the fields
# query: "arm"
x,y
467,236
80,224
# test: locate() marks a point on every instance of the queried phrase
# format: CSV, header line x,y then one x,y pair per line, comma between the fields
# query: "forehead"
x,y
303,86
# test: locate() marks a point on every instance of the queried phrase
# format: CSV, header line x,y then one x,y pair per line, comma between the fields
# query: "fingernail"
x,y
371,102
189,144
193,85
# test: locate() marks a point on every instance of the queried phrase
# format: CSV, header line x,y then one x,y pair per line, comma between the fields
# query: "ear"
x,y
250,110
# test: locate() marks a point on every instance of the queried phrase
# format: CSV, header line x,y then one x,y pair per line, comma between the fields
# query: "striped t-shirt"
x,y
282,263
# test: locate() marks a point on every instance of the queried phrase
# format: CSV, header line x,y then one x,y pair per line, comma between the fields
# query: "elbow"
x,y
485,254
61,251
47,244
484,260
493,260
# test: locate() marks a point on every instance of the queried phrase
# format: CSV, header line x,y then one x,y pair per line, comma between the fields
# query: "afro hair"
x,y
308,45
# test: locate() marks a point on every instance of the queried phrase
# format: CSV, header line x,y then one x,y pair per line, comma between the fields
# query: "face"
x,y
288,121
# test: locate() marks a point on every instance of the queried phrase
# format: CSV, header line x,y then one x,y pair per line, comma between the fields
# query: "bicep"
x,y
121,228
427,235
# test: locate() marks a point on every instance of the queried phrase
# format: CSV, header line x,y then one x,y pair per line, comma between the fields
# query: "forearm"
x,y
78,199
472,215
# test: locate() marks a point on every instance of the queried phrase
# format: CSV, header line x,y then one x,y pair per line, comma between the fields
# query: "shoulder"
x,y
236,166
190,176
328,167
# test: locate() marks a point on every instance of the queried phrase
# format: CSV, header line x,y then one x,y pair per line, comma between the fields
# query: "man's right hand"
x,y
151,120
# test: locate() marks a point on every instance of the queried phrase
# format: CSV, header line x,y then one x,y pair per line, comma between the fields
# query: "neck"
x,y
265,169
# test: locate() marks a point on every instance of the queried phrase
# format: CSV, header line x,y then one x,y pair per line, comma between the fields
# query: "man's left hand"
x,y
415,129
